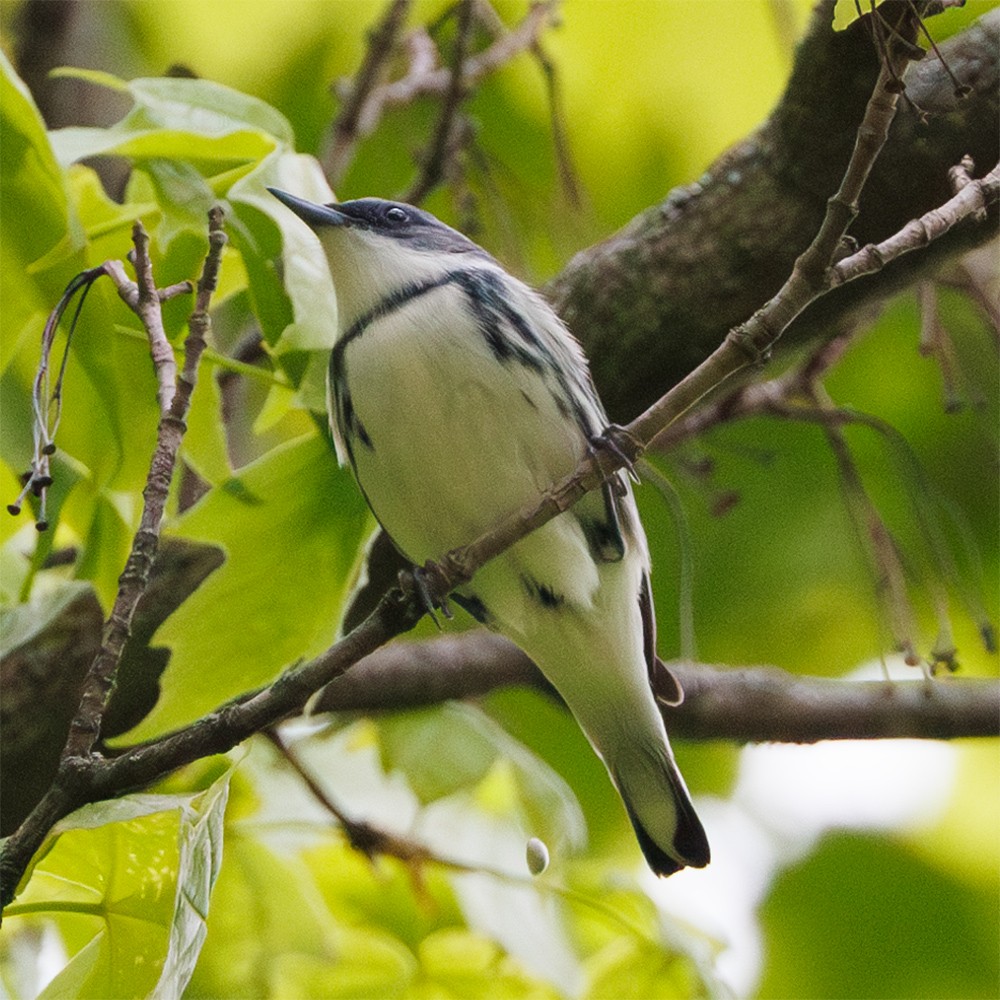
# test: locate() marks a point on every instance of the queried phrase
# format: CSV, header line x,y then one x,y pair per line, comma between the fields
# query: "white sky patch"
x,y
785,798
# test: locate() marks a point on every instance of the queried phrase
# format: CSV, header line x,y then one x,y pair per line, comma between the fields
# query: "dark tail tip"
x,y
690,844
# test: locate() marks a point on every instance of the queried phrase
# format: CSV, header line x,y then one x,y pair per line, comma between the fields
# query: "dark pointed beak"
x,y
309,212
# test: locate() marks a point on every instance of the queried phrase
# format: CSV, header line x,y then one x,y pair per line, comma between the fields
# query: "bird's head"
x,y
375,247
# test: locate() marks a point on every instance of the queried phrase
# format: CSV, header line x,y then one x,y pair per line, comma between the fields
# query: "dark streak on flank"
x,y
541,592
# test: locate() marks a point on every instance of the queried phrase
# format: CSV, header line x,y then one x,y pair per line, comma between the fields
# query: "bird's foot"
x,y
620,443
414,582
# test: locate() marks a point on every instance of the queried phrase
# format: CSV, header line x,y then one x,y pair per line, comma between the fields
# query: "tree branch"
x,y
745,704
368,97
435,159
730,239
73,783
350,124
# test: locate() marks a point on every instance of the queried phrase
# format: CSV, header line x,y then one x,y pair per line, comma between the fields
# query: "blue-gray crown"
x,y
392,219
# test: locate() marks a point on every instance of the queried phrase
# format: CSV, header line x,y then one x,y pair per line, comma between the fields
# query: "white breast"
x,y
459,440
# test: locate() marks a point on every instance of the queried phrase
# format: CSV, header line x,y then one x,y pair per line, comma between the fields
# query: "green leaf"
x,y
630,967
204,445
305,283
292,525
210,153
488,794
460,963
845,13
206,107
128,883
360,894
169,107
264,907
33,188
504,902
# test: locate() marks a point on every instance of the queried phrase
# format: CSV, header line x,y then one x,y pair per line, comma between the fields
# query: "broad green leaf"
x,y
34,189
201,842
504,902
305,279
487,795
212,154
128,884
461,963
381,896
106,544
204,446
206,107
863,917
438,749
108,224
201,107
292,525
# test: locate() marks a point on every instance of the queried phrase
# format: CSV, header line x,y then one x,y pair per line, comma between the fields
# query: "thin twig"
x,y
368,99
78,764
971,200
347,127
442,143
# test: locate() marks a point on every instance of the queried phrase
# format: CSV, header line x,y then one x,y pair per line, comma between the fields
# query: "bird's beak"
x,y
309,212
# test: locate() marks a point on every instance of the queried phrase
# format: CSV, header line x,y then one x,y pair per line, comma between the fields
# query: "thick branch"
x,y
747,705
670,285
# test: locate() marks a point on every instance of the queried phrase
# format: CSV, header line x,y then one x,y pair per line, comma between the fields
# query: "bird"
x,y
458,397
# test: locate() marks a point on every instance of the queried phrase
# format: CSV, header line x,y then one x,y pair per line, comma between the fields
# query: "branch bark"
x,y
671,283
745,705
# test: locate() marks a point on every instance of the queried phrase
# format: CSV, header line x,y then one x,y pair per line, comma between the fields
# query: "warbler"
x,y
458,397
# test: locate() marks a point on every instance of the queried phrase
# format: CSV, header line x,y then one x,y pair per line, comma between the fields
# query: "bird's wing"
x,y
666,688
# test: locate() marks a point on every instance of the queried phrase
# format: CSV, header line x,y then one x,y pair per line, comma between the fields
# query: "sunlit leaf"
x,y
456,747
457,963
366,965
34,189
197,106
629,967
129,882
305,277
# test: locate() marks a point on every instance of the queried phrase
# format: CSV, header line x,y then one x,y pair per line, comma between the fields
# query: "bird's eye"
x,y
395,215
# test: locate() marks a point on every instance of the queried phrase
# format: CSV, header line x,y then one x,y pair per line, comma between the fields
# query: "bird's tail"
x,y
658,804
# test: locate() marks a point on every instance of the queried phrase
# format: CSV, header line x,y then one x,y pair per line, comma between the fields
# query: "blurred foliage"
x,y
651,92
